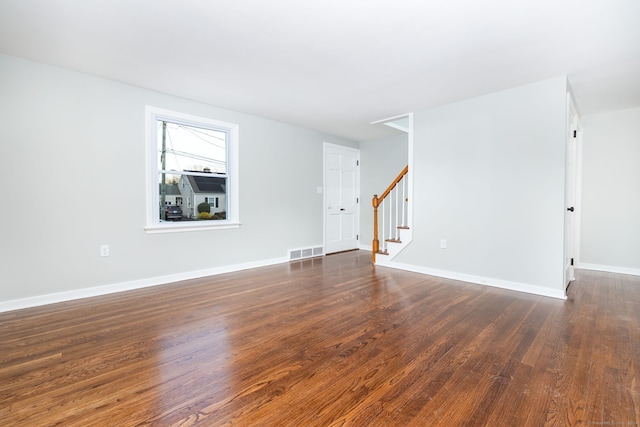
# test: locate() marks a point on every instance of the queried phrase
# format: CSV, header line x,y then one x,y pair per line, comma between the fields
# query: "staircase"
x,y
391,232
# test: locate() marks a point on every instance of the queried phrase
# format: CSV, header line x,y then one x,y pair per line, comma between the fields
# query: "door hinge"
x,y
357,162
357,237
575,133
571,261
357,200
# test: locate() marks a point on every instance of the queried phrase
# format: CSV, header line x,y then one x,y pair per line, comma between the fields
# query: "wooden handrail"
x,y
375,202
393,184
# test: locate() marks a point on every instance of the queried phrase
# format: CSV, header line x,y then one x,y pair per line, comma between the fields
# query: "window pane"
x,y
188,192
170,198
190,148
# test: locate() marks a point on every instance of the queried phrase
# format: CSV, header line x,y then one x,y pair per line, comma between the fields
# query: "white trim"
x,y
391,122
131,285
410,141
389,119
364,247
578,203
174,227
609,269
479,280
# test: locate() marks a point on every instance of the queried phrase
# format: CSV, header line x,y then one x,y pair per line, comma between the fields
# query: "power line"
x,y
195,132
195,156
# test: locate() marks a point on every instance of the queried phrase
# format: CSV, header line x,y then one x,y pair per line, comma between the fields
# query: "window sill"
x,y
177,227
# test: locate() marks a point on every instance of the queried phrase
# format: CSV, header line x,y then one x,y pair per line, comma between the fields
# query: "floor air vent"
x,y
295,254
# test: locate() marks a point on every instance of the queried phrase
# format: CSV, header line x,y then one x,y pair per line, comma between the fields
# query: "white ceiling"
x,y
337,65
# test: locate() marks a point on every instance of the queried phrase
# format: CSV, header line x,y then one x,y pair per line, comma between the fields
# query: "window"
x,y
194,159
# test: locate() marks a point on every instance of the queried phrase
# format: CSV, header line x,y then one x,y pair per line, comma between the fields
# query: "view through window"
x,y
192,169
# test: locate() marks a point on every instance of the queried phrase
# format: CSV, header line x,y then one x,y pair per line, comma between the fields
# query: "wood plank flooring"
x,y
329,341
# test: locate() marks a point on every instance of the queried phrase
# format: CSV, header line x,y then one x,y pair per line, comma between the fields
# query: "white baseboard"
x,y
479,280
127,286
364,247
609,269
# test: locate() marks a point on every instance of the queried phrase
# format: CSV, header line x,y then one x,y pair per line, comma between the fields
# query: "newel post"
x,y
375,245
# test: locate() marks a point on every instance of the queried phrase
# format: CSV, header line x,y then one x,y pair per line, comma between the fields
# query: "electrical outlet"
x,y
104,250
443,243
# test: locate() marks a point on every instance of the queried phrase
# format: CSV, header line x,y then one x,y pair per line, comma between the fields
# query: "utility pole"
x,y
163,158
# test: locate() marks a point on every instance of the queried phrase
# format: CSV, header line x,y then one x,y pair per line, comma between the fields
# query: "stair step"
x,y
403,227
382,253
394,240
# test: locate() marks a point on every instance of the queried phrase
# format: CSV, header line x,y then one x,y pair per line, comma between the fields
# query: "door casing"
x,y
572,177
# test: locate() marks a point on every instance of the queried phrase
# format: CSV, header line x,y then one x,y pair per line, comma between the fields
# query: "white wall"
x,y
610,214
489,178
65,134
381,161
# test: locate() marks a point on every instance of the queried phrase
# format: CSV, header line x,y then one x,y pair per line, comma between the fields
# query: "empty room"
x,y
338,213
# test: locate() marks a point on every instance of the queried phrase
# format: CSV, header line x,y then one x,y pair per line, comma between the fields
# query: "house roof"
x,y
337,65
207,184
170,189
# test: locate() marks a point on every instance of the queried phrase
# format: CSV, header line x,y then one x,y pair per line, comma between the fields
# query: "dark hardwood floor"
x,y
323,342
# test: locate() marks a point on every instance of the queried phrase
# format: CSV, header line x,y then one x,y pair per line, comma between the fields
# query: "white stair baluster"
x,y
392,228
390,215
383,243
395,228
404,201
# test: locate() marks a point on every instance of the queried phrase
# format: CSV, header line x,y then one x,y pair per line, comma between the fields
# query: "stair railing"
x,y
393,206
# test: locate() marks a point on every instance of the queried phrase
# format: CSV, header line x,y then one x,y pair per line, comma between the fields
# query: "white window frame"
x,y
153,223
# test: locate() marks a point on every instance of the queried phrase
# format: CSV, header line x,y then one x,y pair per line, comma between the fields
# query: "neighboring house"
x,y
196,189
172,195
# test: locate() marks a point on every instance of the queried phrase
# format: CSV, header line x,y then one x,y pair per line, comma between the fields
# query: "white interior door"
x,y
341,190
570,194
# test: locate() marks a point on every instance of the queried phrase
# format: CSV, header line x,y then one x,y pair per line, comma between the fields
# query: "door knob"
x,y
570,209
